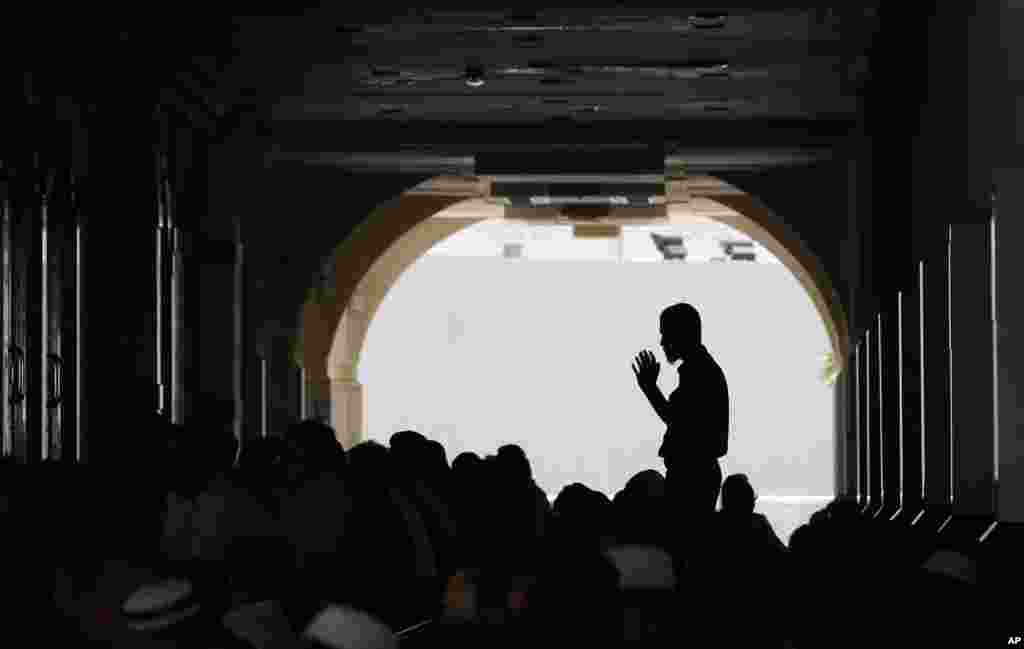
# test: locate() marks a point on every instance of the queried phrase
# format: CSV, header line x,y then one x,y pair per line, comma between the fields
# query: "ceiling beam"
x,y
470,139
680,162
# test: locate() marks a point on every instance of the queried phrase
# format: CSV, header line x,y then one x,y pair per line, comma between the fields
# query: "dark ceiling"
x,y
464,82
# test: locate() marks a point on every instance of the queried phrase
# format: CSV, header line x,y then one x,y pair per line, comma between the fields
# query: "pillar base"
x,y
933,518
871,510
907,514
1000,558
886,512
964,532
348,399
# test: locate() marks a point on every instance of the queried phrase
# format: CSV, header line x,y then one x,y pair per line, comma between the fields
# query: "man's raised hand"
x,y
646,369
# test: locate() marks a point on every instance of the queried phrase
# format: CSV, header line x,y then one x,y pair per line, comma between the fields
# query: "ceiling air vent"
x,y
708,20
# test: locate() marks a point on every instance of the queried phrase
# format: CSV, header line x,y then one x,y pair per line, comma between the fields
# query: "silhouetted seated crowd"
x,y
298,543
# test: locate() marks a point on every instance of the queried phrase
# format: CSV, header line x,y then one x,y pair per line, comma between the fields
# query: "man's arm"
x,y
658,402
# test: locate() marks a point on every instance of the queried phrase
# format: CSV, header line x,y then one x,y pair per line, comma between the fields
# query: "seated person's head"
x,y
512,459
466,461
370,462
438,456
311,445
802,541
581,512
646,484
571,499
409,452
737,495
406,439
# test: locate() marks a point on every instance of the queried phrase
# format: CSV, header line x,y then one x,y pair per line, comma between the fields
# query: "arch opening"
x,y
400,232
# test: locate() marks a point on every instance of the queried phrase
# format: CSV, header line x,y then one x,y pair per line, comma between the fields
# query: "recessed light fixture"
x,y
474,76
708,20
714,70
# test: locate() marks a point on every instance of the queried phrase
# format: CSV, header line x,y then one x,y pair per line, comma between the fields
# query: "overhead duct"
x,y
579,191
583,199
679,162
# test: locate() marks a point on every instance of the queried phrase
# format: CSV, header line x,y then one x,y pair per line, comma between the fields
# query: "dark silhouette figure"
x,y
637,510
396,578
469,500
533,501
746,553
420,476
696,414
743,527
738,501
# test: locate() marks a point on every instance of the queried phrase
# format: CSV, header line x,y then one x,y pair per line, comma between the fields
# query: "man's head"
x,y
738,495
680,331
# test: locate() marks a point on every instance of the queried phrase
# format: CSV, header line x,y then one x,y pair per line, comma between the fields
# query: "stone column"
x,y
891,366
862,422
318,400
846,433
1004,561
874,358
910,443
972,372
936,386
1001,548
348,395
348,411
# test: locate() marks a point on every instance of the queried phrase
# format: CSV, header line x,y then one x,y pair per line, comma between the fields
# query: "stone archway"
x,y
396,234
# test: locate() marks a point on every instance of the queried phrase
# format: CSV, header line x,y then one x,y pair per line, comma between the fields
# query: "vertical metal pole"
x,y
5,407
238,333
921,353
159,233
44,316
79,343
993,287
263,396
303,410
899,389
949,351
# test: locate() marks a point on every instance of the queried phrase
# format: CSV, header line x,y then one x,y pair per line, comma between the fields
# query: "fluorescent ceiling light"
x,y
578,200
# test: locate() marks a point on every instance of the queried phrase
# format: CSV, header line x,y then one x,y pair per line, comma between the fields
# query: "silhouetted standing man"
x,y
696,413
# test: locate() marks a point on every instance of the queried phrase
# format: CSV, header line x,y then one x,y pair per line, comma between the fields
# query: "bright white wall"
x,y
478,352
